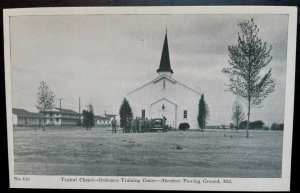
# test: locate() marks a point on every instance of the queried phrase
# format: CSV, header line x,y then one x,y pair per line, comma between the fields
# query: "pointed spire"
x,y
165,65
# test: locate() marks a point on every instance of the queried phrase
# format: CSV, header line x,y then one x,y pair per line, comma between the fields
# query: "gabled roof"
x,y
139,88
189,88
152,81
165,100
159,78
164,76
165,65
99,117
24,113
69,111
110,115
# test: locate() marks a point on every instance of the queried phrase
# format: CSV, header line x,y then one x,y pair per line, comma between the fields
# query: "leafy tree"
x,y
232,126
203,113
247,61
252,125
45,100
277,127
243,124
88,117
257,124
237,113
125,113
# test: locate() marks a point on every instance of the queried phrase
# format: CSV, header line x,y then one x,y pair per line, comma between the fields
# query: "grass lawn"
x,y
75,151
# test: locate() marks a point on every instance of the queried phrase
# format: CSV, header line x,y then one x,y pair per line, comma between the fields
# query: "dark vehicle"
x,y
158,125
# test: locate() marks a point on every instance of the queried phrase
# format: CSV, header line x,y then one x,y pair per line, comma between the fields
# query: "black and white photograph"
x,y
163,98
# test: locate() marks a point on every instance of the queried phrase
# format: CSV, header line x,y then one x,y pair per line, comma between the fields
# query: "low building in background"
x,y
21,117
110,116
101,120
56,117
213,127
60,117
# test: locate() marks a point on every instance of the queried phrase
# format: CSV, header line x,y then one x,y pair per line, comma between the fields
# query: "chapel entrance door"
x,y
164,108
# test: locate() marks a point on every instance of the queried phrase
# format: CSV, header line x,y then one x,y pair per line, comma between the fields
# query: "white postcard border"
x,y
237,184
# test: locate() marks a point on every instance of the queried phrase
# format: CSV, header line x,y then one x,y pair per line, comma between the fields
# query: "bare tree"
x,y
237,114
246,63
45,100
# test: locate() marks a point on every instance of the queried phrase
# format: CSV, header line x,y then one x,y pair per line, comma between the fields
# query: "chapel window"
x,y
185,114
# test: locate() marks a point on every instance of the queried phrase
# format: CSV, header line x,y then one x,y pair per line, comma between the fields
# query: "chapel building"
x,y
166,97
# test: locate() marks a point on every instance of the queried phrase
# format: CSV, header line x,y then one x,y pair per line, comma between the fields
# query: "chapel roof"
x,y
165,65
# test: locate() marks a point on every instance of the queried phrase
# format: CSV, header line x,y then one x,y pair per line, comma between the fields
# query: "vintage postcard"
x,y
150,98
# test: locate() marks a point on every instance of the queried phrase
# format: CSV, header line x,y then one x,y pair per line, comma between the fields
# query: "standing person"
x,y
128,125
114,125
146,125
165,119
150,125
139,125
131,126
136,125
125,127
142,125
164,123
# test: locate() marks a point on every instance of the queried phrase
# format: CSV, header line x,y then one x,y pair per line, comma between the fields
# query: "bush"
x,y
266,128
232,126
257,124
169,128
277,127
184,126
253,125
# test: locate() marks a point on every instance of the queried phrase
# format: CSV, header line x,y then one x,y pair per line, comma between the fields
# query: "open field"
x,y
75,151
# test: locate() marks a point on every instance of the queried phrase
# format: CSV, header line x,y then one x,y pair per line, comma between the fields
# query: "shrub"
x,y
257,124
232,126
277,127
184,126
253,125
266,128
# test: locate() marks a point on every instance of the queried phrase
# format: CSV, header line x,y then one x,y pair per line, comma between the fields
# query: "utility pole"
x,y
59,104
60,111
79,112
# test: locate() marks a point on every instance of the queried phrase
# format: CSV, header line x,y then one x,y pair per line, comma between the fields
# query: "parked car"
x,y
158,125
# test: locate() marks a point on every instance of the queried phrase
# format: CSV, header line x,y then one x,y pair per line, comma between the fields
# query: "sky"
x,y
101,58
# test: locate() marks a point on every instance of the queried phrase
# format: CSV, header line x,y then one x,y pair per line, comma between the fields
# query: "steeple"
x,y
165,65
